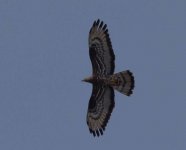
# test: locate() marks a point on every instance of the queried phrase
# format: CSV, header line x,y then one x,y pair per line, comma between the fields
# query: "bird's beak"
x,y
84,80
87,79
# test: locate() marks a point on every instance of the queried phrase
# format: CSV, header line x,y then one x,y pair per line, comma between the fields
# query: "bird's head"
x,y
88,79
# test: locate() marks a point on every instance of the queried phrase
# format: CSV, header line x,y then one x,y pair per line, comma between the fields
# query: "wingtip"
x,y
96,133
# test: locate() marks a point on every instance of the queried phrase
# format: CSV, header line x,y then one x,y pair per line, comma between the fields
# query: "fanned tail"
x,y
123,82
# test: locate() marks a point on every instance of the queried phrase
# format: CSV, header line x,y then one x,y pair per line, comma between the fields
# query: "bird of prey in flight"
x,y
103,79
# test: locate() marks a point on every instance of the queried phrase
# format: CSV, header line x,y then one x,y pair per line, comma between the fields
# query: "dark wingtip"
x,y
97,132
101,24
101,131
97,22
105,26
92,132
94,24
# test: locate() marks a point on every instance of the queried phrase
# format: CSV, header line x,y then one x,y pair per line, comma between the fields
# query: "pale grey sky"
x,y
44,56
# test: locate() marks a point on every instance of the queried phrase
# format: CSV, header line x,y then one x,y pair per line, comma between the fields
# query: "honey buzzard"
x,y
104,80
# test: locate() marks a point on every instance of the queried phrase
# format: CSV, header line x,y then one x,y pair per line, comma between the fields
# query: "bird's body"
x,y
116,80
103,79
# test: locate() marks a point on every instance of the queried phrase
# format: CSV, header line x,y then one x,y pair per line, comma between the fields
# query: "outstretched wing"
x,y
100,108
100,49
